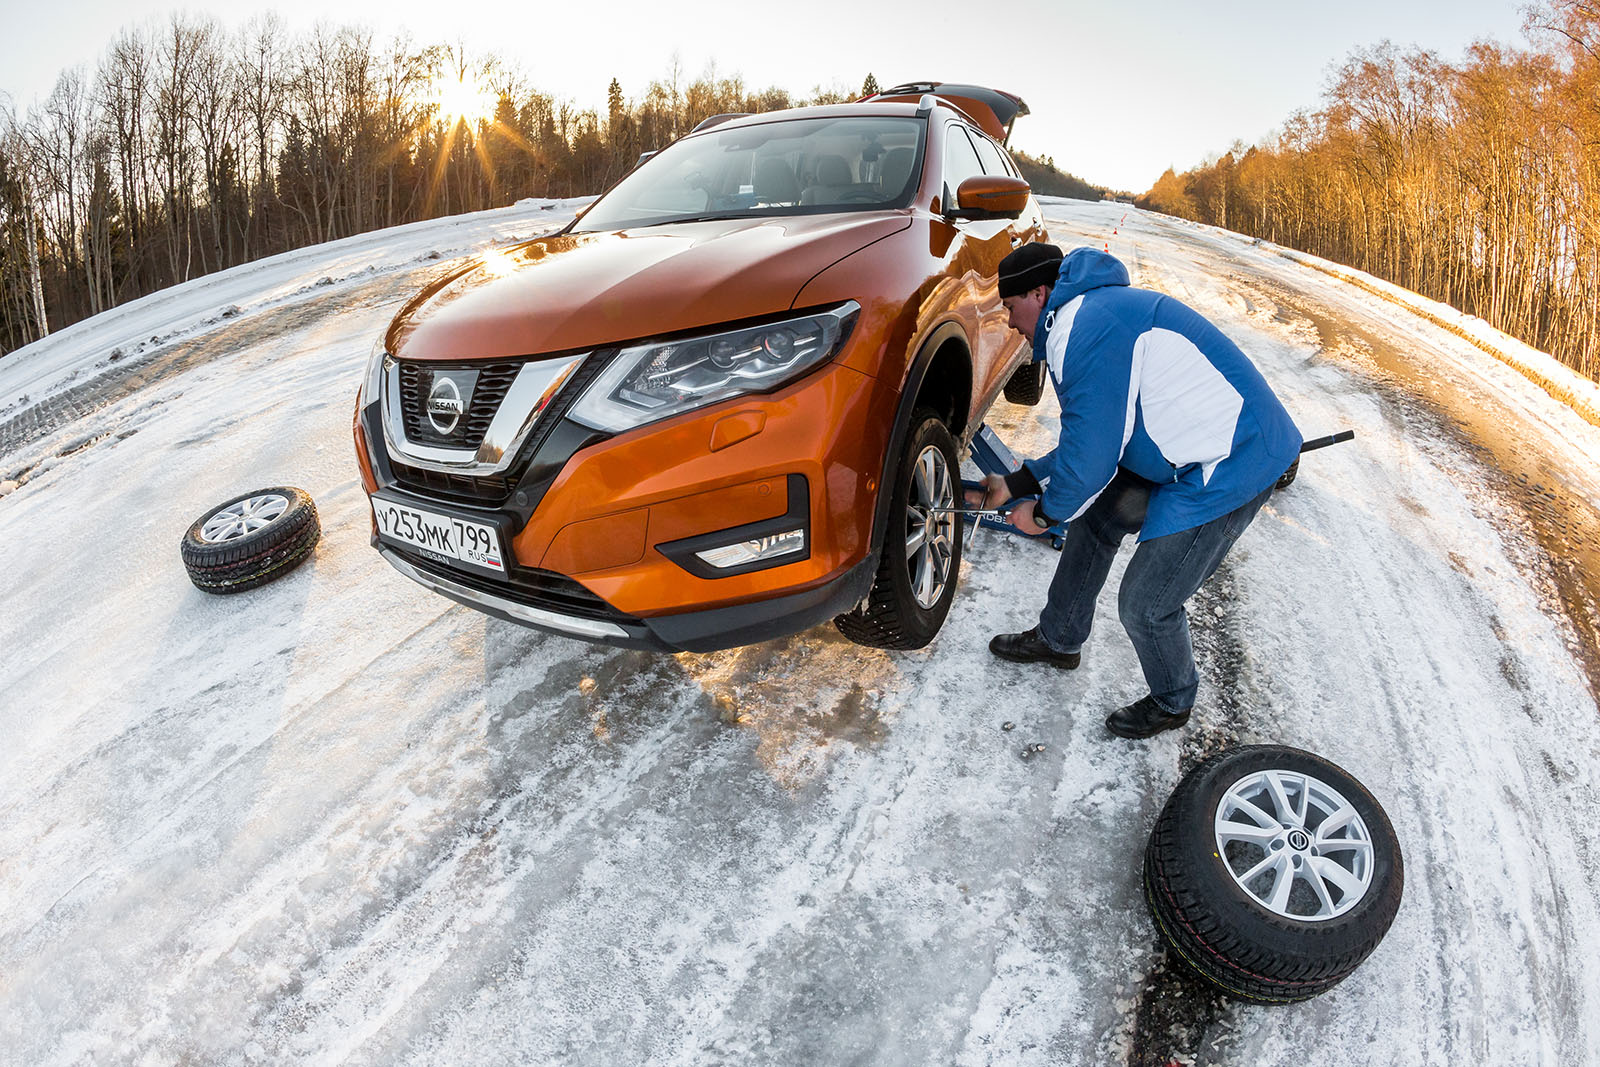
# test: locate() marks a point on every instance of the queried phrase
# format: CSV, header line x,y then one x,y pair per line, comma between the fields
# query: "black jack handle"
x,y
1331,439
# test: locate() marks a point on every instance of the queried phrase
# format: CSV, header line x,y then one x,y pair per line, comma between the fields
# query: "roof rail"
x,y
975,100
717,120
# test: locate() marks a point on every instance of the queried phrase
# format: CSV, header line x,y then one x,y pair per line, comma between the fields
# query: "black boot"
x,y
1030,647
1144,718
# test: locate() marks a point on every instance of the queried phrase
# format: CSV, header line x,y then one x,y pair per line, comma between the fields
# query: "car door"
x,y
983,244
996,160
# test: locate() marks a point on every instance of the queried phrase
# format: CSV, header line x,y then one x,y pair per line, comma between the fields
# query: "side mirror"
x,y
990,196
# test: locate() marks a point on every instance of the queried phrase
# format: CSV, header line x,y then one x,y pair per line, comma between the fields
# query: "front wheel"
x,y
921,558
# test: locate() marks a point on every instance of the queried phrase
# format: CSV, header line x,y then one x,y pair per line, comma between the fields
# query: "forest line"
x,y
1475,183
191,147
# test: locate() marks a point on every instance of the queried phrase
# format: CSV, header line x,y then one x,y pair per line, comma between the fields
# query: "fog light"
x,y
756,550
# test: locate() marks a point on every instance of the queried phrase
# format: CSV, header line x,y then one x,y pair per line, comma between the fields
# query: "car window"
x,y
989,152
795,166
960,161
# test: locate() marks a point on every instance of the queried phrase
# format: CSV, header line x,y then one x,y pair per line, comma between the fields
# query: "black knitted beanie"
x,y
1029,267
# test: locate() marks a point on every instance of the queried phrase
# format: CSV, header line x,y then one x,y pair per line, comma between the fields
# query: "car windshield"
x,y
791,167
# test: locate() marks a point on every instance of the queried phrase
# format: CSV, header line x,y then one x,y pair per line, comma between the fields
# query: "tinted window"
x,y
799,166
960,161
989,152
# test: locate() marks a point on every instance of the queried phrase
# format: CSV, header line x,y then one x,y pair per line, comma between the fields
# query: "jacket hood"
x,y
1083,269
567,292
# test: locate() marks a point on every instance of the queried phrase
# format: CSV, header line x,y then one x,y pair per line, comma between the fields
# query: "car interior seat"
x,y
896,169
833,176
774,182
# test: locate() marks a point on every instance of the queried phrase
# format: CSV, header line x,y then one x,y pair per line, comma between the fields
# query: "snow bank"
x,y
75,354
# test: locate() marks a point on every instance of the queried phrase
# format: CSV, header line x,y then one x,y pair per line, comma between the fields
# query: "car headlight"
x,y
665,378
372,382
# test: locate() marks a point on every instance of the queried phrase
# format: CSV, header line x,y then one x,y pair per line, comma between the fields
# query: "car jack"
x,y
991,456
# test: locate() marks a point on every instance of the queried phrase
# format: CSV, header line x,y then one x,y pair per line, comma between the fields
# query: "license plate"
x,y
445,537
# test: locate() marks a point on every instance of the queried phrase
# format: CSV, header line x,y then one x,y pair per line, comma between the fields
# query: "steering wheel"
x,y
858,196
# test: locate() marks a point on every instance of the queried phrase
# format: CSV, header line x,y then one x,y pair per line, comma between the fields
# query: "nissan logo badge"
x,y
444,405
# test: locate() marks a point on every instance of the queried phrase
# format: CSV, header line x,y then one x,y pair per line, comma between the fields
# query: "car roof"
x,y
909,108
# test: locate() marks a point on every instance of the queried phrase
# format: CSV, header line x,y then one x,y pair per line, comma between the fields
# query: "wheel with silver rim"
x,y
1295,844
243,517
931,526
250,540
1272,873
920,561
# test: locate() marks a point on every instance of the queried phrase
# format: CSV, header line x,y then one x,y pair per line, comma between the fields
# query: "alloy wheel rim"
x,y
930,537
243,517
1295,845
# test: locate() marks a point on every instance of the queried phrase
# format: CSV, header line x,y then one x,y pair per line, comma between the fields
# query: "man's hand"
x,y
1022,518
992,495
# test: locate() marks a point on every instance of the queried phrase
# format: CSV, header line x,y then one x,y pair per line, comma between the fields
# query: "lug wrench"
x,y
977,515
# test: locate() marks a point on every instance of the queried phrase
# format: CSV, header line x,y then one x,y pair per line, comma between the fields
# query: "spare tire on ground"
x,y
253,539
1272,873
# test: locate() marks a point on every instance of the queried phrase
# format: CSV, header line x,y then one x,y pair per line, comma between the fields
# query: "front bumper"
x,y
691,631
613,524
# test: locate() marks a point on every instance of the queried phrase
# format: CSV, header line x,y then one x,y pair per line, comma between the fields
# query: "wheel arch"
x,y
940,378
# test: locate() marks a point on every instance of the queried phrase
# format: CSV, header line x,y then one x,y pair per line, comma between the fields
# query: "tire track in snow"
x,y
1440,444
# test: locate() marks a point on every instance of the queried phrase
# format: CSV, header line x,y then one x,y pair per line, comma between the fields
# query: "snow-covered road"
x,y
341,820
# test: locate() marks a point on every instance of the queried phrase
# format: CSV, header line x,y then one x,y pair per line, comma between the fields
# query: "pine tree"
x,y
615,107
870,86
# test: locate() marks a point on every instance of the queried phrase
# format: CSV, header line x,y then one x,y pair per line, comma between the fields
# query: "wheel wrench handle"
x,y
998,513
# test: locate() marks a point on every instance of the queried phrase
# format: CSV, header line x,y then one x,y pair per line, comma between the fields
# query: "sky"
x,y
1117,92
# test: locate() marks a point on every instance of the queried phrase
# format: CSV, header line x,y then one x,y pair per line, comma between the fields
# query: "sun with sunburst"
x,y
462,100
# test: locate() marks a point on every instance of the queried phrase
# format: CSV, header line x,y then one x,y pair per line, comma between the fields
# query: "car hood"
x,y
575,291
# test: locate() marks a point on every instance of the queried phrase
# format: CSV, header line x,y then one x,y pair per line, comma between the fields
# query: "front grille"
x,y
461,488
531,586
492,489
483,385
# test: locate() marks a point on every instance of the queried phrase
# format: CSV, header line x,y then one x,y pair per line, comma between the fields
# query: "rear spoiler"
x,y
993,111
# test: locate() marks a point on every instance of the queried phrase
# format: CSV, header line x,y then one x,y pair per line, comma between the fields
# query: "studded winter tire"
x,y
1026,384
1272,873
921,559
253,539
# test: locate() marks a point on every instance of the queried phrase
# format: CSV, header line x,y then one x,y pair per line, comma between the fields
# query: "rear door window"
x,y
994,161
960,161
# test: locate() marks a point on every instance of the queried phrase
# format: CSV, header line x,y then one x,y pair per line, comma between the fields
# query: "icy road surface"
x,y
341,820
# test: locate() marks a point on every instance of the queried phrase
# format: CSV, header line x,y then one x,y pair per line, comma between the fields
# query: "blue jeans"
x,y
1163,574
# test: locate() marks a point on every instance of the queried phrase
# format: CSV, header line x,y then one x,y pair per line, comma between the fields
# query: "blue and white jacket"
x,y
1148,384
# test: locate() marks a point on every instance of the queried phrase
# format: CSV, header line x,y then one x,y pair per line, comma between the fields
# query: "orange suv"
x,y
728,402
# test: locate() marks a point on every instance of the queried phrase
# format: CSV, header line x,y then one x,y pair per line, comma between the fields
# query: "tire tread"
x,y
1190,923
259,557
883,621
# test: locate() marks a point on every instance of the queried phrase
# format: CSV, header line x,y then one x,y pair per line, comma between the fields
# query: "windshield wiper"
x,y
711,216
719,216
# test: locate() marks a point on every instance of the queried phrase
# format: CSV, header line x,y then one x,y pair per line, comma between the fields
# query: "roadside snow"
x,y
74,354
